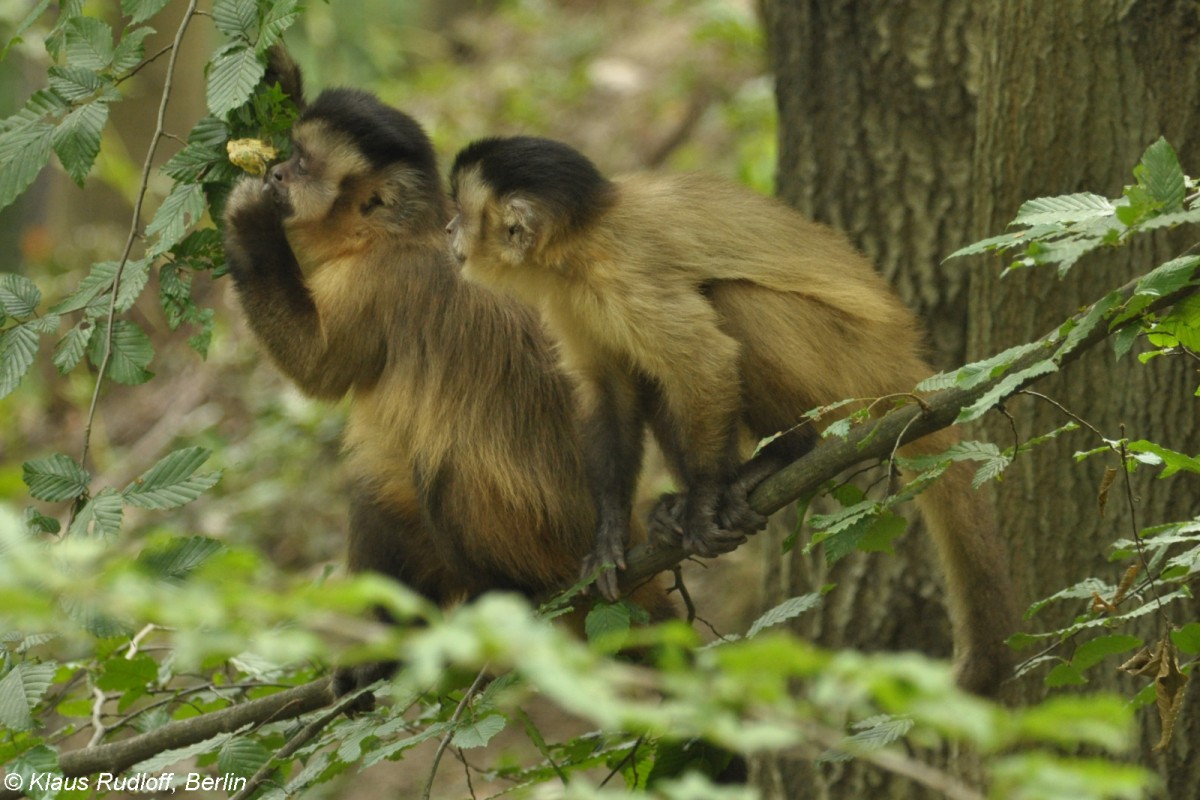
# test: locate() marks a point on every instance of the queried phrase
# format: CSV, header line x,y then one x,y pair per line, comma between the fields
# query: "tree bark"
x,y
1072,94
917,128
876,113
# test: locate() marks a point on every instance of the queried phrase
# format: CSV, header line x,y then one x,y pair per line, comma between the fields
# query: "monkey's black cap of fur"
x,y
554,173
383,134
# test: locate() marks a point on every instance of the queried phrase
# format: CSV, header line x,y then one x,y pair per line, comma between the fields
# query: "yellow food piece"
x,y
251,155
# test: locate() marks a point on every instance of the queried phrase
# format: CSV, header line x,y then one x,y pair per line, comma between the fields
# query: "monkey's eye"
x,y
302,165
512,231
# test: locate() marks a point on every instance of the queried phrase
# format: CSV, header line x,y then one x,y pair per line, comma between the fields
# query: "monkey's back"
x,y
815,320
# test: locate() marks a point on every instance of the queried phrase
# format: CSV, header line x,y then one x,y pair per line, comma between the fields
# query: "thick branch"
x,y
119,756
877,439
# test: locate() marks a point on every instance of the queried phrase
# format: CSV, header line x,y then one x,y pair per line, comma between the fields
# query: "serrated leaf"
x,y
130,50
170,483
278,18
142,10
232,76
875,734
74,83
478,732
88,42
181,209
76,140
1159,172
191,163
1063,209
131,352
20,691
237,19
607,622
180,557
23,153
18,347
97,282
100,515
1003,389
55,478
134,277
1168,277
19,296
788,609
1173,461
242,756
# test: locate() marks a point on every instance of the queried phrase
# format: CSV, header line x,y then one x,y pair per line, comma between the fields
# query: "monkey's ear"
x,y
524,224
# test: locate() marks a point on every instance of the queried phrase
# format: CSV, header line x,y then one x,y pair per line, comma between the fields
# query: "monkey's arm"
x,y
321,354
694,365
611,424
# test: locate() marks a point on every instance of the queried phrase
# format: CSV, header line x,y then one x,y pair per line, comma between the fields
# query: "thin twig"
x,y
159,128
458,712
302,737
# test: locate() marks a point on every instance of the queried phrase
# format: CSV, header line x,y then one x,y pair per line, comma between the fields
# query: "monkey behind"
x,y
702,308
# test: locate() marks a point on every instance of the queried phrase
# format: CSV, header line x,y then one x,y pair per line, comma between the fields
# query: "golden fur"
x,y
466,466
702,308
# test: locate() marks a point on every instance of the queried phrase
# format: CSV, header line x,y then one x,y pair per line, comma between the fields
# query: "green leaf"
x,y
142,10
19,296
18,347
1173,462
1094,651
242,756
181,209
1187,638
1168,277
119,674
55,478
788,609
608,622
232,76
130,50
21,690
170,483
76,84
76,140
131,352
23,153
133,280
478,732
179,557
876,733
100,516
237,19
1159,172
1065,675
278,18
1006,387
88,42
1063,209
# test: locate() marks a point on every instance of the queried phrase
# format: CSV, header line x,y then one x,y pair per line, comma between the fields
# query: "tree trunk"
x,y
1108,77
917,128
876,137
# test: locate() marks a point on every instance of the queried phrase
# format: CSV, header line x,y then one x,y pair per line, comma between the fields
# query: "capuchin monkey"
x,y
705,309
468,472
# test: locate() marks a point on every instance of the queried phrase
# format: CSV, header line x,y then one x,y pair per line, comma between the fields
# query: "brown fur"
x,y
467,470
702,308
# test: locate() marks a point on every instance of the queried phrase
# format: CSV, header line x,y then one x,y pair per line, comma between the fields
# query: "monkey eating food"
x,y
704,309
468,472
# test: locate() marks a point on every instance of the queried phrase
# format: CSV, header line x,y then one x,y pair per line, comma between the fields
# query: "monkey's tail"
x,y
979,591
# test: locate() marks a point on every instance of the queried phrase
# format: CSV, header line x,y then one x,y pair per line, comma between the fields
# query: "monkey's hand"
x,y
689,520
254,235
735,512
608,556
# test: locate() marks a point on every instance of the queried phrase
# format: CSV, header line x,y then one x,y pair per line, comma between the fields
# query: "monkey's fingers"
x,y
737,515
665,521
712,541
607,580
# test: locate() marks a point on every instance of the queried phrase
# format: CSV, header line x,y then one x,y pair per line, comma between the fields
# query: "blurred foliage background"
x,y
668,83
